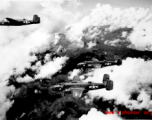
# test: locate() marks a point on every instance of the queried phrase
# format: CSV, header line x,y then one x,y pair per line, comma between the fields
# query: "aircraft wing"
x,y
11,20
106,63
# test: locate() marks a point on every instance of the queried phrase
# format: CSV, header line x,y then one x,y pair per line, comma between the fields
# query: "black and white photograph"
x,y
75,59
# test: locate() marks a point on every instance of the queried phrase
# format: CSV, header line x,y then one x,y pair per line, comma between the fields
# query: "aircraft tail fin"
x,y
36,19
106,77
118,60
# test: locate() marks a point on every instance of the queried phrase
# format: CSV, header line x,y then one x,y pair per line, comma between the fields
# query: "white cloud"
x,y
91,44
51,67
141,36
16,43
25,79
134,75
5,103
95,114
75,72
4,5
137,18
124,34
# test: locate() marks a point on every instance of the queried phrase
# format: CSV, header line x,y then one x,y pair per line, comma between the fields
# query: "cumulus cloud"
x,y
134,75
24,79
141,36
75,72
95,114
16,53
16,43
91,44
124,34
102,15
4,5
51,67
5,103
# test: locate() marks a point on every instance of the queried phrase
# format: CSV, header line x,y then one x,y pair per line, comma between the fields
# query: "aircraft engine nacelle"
x,y
36,19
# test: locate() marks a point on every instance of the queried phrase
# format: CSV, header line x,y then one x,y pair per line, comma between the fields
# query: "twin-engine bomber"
x,y
103,63
95,63
77,88
20,22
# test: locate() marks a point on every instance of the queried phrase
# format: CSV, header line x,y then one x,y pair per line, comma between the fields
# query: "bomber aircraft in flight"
x,y
20,22
95,63
77,88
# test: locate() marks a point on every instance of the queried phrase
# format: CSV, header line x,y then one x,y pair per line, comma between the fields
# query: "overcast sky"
x,y
89,4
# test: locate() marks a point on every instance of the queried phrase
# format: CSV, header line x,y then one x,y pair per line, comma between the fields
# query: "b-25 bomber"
x,y
95,63
77,88
19,22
